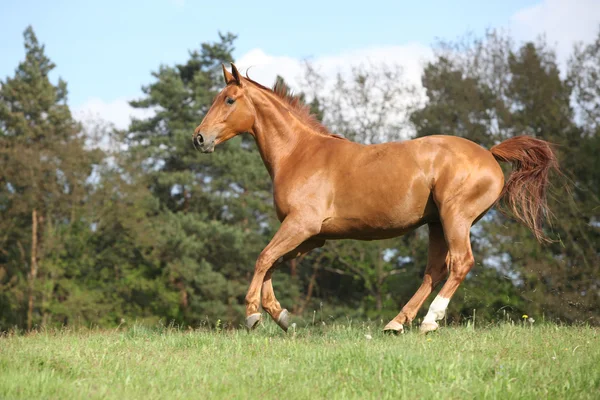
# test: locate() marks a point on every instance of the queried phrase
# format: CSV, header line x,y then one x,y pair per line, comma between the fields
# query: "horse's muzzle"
x,y
202,144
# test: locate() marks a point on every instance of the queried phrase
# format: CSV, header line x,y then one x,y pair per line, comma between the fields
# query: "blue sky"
x,y
106,50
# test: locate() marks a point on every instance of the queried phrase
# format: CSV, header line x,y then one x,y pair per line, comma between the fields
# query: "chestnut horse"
x,y
326,187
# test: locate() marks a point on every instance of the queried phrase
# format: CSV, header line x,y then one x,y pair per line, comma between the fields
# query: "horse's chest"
x,y
281,208
283,204
302,196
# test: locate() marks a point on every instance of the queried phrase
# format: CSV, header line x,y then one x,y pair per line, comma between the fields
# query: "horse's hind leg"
x,y
456,229
269,301
435,272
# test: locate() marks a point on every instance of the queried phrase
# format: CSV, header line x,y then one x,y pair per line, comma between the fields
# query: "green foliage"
x,y
212,209
150,230
513,91
44,172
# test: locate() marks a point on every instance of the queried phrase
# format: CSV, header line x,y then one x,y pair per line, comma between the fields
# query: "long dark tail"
x,y
525,190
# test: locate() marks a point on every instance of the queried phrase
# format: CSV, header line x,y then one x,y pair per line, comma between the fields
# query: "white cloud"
x,y
563,22
410,57
118,112
264,67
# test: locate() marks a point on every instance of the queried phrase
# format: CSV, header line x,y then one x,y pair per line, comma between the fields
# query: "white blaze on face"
x,y
437,310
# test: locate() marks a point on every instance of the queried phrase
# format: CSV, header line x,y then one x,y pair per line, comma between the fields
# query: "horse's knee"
x,y
264,262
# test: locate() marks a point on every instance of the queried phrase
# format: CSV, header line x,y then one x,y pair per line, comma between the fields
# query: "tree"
x,y
493,90
214,212
146,229
45,167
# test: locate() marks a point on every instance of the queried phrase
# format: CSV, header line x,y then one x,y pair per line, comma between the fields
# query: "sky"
x,y
106,50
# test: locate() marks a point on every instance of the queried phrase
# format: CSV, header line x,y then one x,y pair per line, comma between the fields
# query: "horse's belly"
x,y
372,229
380,209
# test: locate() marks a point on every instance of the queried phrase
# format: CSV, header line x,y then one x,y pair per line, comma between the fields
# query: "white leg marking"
x,y
437,310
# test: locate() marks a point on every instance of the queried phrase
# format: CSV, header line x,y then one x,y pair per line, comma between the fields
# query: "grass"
x,y
333,362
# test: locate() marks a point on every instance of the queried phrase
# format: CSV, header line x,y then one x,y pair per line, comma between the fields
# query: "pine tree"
x,y
44,171
215,211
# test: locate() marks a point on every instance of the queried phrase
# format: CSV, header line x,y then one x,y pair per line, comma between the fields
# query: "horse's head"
x,y
231,113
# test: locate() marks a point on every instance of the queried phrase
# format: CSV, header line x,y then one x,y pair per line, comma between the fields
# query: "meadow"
x,y
335,361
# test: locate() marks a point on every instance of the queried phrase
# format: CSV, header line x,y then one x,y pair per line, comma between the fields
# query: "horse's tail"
x,y
525,190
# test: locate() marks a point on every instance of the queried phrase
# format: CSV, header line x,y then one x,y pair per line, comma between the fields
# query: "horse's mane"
x,y
297,106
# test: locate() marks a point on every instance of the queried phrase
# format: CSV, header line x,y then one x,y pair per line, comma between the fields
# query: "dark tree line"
x,y
105,227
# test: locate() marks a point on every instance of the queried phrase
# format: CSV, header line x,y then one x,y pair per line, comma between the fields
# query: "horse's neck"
x,y
277,135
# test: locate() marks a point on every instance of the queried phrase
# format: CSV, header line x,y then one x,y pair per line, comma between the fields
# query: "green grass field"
x,y
333,362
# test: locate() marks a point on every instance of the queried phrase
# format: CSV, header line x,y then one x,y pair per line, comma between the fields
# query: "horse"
x,y
326,187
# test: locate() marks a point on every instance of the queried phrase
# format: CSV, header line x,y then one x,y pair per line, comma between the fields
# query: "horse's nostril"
x,y
199,139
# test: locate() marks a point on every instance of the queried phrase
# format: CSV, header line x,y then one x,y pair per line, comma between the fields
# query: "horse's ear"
x,y
236,75
227,75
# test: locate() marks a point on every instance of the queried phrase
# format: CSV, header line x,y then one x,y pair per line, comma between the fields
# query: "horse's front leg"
x,y
295,229
269,301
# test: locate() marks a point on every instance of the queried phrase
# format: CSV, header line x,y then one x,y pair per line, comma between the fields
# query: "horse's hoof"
x,y
252,320
284,320
428,327
393,327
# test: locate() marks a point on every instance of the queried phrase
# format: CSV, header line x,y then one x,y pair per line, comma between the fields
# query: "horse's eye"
x,y
230,100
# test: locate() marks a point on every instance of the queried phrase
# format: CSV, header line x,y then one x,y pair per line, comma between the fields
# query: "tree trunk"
x,y
379,281
378,299
294,276
183,295
309,292
186,200
34,269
